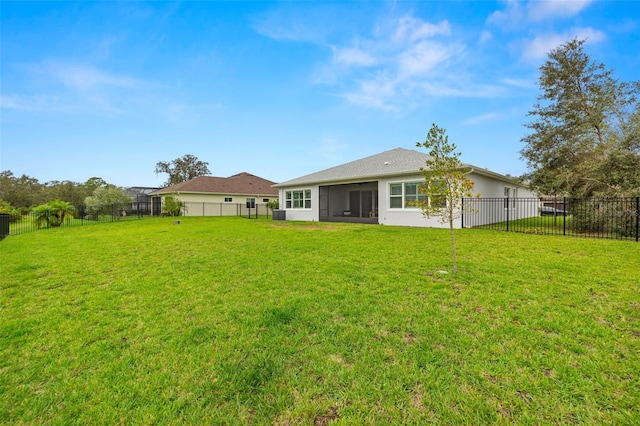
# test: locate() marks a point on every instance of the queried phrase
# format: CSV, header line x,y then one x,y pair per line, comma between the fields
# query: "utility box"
x,y
279,215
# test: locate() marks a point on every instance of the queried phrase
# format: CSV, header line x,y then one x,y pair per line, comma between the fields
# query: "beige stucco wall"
x,y
215,205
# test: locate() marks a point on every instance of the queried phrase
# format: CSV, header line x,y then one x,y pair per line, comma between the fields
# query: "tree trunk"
x,y
453,247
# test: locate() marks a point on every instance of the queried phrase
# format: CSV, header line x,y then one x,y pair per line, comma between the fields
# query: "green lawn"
x,y
237,321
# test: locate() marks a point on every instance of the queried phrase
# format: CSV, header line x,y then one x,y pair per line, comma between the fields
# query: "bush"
x,y
53,214
14,213
173,206
604,216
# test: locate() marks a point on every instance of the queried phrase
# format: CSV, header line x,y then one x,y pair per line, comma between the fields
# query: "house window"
x,y
265,200
228,199
298,199
405,195
251,203
395,196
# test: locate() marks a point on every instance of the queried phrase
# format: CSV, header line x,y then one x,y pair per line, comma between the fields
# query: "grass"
x,y
237,321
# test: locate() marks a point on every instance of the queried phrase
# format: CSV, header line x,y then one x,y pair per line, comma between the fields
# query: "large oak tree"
x,y
584,138
182,169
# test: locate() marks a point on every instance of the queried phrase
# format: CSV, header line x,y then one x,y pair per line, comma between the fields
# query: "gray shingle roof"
x,y
397,161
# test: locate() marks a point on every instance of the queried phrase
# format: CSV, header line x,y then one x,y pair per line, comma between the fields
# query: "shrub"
x,y
53,214
14,213
173,206
604,216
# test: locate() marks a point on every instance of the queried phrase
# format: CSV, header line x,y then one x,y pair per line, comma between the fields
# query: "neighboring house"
x,y
378,189
218,196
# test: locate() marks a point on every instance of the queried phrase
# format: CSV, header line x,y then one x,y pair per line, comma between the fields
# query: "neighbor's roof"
x,y
395,162
242,183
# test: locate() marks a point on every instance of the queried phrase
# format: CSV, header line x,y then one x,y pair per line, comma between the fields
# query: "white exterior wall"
x,y
309,215
492,188
402,217
486,186
486,211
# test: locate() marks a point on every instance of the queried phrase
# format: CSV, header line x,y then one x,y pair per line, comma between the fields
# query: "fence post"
x,y
5,218
507,214
564,216
462,213
637,217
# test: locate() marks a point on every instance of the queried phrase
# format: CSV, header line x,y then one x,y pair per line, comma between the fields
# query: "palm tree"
x,y
53,214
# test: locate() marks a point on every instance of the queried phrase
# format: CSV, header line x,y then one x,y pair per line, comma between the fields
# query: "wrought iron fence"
x,y
113,213
33,221
611,218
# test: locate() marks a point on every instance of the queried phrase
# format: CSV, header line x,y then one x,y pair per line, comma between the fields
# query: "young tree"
x,y
273,204
446,183
182,169
585,138
107,200
173,206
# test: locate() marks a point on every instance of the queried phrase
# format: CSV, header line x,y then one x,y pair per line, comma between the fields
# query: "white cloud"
x,y
24,103
544,9
485,36
375,93
402,60
517,13
399,63
73,88
292,23
483,118
541,45
85,77
426,56
510,17
410,29
353,56
522,83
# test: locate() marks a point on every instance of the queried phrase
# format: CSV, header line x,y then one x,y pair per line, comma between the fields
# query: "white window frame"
x,y
298,199
403,195
228,199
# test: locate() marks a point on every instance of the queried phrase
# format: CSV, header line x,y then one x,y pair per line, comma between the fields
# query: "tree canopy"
x,y
584,138
107,199
24,192
182,169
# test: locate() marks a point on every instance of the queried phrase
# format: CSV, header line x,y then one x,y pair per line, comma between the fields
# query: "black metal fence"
x,y
611,218
33,221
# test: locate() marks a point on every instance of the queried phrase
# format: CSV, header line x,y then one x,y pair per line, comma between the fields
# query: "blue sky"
x,y
280,89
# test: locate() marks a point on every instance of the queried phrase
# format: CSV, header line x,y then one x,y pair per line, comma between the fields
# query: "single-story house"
x,y
218,196
377,189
